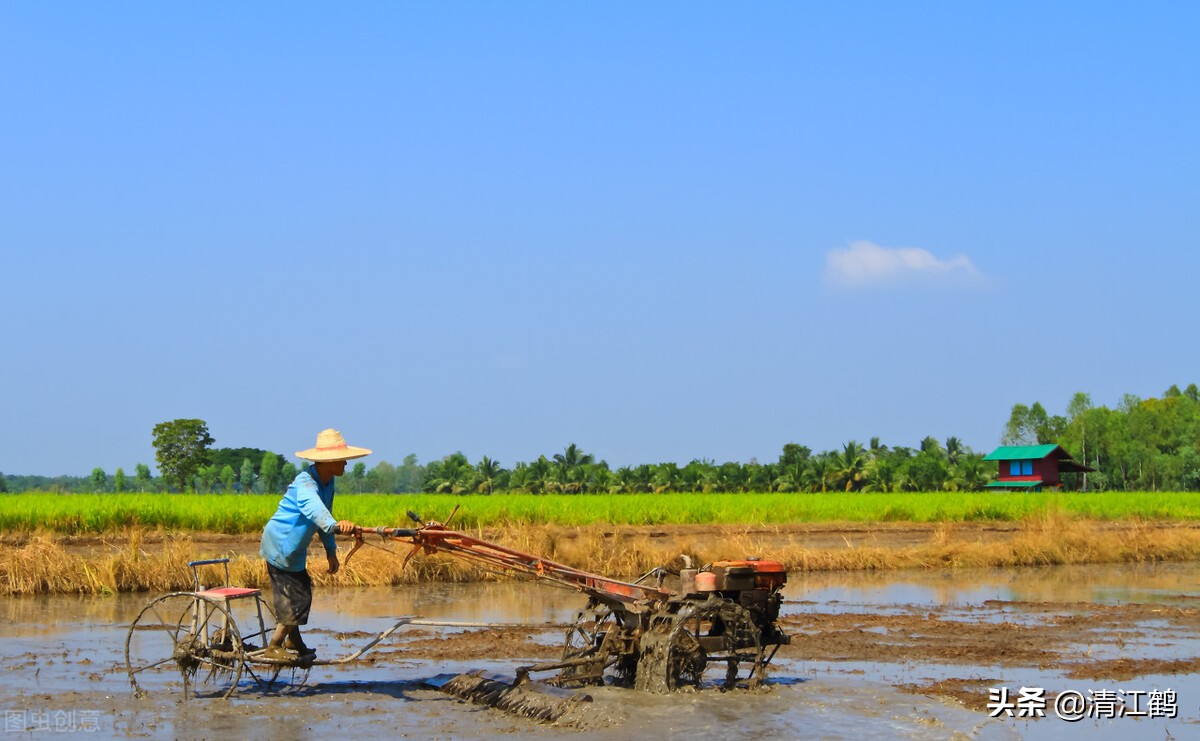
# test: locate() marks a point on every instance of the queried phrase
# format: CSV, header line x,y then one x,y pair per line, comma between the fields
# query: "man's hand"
x,y
344,527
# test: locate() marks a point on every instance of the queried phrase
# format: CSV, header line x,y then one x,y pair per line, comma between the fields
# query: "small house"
x,y
1031,467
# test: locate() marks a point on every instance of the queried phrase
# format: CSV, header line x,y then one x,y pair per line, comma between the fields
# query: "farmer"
x,y
306,509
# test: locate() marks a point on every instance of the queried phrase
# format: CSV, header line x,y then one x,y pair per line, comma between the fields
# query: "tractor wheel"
x,y
710,643
597,633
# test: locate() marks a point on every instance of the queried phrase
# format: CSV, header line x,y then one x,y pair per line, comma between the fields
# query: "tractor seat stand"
x,y
227,593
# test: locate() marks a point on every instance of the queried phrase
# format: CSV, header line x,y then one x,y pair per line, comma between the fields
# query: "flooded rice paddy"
x,y
874,655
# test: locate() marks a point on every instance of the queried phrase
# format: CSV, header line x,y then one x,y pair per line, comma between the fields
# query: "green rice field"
x,y
232,513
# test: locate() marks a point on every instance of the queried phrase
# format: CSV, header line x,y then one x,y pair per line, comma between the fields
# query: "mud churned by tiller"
x,y
528,699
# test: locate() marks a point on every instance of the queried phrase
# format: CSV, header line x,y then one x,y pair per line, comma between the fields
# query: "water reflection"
x,y
356,608
1102,584
490,602
526,602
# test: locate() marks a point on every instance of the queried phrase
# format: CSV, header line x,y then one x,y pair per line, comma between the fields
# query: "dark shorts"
x,y
292,591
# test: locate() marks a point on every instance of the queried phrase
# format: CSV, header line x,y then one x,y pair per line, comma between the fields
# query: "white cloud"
x,y
867,264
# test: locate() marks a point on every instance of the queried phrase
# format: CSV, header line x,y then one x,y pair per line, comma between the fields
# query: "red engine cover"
x,y
769,575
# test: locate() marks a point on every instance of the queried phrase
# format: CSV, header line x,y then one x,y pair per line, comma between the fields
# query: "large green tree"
x,y
181,448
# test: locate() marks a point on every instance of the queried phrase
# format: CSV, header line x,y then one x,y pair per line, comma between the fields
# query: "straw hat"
x,y
331,446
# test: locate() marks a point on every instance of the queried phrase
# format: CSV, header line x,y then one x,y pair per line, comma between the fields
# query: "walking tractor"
x,y
665,631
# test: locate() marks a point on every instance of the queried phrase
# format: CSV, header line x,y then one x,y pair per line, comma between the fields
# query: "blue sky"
x,y
660,231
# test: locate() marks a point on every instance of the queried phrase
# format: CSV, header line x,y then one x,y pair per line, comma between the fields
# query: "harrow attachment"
x,y
517,696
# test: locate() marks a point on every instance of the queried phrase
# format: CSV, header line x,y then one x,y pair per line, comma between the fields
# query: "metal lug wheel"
x,y
712,643
597,633
181,635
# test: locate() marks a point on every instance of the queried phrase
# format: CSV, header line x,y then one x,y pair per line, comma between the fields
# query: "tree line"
x,y
933,466
1142,444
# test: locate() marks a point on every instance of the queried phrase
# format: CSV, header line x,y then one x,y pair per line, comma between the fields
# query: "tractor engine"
x,y
752,583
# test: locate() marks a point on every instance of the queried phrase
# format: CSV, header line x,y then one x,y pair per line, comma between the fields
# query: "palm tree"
x,y
760,476
820,472
597,477
538,475
568,463
664,477
488,470
790,478
572,456
971,473
639,478
518,477
926,471
691,477
850,466
879,475
931,445
954,450
731,477
454,474
622,482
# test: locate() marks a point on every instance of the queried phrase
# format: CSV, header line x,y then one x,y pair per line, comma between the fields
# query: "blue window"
x,y
1020,468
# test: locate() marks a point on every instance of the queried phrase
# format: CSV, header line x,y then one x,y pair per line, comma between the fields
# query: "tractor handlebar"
x,y
387,532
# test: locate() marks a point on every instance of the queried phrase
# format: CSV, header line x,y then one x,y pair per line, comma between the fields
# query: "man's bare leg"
x,y
281,632
288,637
294,642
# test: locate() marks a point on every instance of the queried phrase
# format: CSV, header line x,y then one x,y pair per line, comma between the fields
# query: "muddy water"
x,y
64,667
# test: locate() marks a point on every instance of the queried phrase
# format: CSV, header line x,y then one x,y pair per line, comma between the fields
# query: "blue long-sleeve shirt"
x,y
306,509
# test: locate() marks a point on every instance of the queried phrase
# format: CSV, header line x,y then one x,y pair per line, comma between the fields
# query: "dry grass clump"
x,y
43,566
44,563
1044,541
